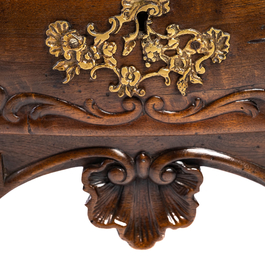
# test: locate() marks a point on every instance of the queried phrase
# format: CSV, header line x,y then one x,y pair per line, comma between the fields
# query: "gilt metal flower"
x,y
130,78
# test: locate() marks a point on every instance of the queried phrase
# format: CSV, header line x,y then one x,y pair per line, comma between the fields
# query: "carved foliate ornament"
x,y
63,40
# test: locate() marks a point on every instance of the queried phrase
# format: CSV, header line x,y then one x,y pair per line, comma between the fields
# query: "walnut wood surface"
x,y
46,125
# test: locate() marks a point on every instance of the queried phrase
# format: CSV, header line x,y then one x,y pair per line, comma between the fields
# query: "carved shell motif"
x,y
160,196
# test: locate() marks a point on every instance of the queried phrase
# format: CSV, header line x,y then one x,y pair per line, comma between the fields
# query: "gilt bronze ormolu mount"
x,y
65,41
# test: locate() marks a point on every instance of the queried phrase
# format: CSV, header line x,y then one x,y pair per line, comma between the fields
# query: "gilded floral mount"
x,y
65,41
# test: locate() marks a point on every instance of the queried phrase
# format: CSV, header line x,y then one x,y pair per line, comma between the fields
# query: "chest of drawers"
x,y
141,94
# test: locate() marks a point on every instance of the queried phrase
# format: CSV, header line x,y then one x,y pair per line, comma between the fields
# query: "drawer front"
x,y
139,68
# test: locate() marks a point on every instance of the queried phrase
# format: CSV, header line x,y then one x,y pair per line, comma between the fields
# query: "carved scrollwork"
x,y
197,110
160,196
65,41
43,105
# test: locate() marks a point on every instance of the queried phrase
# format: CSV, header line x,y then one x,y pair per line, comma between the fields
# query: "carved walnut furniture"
x,y
141,93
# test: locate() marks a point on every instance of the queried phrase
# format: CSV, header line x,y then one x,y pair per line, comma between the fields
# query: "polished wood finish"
x,y
127,145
